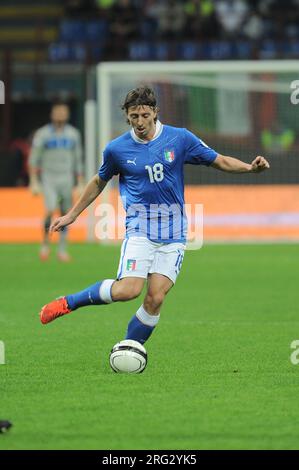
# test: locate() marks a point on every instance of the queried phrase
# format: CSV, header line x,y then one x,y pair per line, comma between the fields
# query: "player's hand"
x,y
61,222
259,164
35,188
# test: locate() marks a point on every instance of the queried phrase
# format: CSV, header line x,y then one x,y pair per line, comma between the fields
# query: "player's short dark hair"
x,y
141,96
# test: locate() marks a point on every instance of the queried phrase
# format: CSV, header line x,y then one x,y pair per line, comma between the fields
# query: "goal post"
x,y
239,108
113,76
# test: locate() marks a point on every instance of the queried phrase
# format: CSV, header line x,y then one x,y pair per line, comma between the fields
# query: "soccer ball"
x,y
128,356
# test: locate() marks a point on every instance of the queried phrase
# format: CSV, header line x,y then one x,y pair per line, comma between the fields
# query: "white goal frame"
x,y
171,72
154,69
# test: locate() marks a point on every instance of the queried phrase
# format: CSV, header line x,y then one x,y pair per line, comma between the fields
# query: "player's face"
x,y
59,115
142,119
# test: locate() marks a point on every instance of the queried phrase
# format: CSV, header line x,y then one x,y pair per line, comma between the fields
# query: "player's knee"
x,y
154,300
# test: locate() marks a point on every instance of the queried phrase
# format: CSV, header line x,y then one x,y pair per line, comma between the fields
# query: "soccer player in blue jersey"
x,y
149,160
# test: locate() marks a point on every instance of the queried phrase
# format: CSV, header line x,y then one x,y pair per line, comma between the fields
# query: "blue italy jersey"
x,y
151,179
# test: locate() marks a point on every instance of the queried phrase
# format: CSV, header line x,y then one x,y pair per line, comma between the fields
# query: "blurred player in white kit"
x,y
55,164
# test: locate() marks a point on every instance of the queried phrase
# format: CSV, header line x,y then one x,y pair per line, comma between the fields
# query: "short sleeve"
x,y
108,167
197,152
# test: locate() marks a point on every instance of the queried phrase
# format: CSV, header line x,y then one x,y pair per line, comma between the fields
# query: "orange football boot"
x,y
53,310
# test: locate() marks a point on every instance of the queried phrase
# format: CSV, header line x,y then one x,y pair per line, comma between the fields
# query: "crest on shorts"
x,y
131,264
169,155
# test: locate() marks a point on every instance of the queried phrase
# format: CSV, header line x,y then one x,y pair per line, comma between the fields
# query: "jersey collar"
x,y
159,128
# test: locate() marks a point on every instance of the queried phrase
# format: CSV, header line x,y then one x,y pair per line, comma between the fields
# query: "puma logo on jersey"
x,y
132,161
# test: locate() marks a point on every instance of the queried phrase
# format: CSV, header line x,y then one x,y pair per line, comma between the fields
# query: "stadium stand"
x,y
89,31
27,30
170,29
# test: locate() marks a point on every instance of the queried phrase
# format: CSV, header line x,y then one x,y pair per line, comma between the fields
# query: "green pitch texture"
x,y
219,374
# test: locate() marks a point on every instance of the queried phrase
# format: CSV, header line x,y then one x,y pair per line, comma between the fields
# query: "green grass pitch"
x,y
219,374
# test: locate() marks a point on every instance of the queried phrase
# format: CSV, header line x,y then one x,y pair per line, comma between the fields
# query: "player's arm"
x,y
90,193
34,163
233,165
198,152
93,189
80,185
34,184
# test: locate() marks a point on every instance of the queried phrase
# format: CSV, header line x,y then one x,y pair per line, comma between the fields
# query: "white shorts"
x,y
140,257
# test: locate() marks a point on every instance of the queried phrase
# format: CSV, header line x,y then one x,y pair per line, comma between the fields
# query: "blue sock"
x,y
141,330
97,294
138,330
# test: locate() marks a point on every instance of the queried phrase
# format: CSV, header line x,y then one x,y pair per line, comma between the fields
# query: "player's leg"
x,y
132,272
145,320
106,292
127,288
162,276
50,202
65,203
101,293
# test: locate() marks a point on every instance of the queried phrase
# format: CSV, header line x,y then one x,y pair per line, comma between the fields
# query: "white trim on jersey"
x,y
159,129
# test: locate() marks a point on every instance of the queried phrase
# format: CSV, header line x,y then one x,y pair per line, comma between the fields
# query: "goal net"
x,y
242,109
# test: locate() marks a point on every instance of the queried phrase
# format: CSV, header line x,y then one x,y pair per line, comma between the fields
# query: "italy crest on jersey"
x,y
131,264
169,155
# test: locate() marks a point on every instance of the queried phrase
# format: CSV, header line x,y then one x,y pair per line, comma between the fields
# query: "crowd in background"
x,y
195,19
206,29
